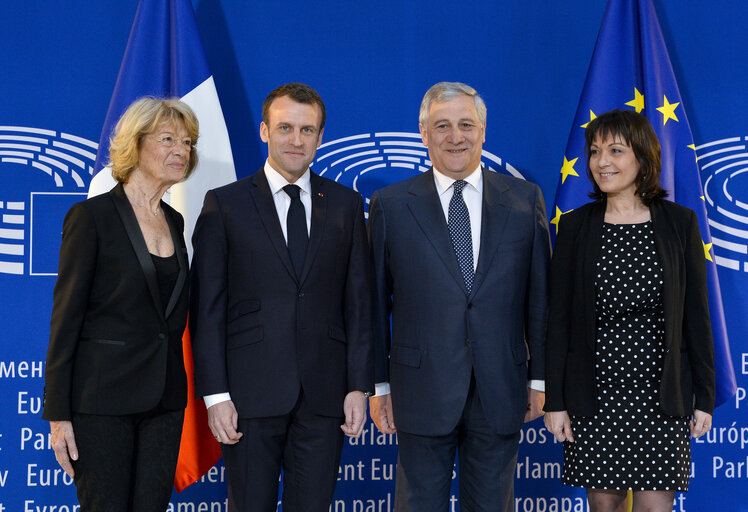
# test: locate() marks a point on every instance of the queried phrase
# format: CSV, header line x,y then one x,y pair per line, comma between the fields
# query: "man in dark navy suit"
x,y
281,316
461,257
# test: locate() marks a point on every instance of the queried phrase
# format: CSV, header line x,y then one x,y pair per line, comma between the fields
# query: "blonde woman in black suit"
x,y
631,361
115,384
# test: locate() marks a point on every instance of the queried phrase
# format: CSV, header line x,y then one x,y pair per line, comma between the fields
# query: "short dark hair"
x,y
300,93
637,132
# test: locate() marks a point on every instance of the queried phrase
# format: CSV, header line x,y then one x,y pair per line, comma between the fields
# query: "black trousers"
x,y
306,446
487,461
126,463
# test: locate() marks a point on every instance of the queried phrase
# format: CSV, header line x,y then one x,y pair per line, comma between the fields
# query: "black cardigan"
x,y
688,368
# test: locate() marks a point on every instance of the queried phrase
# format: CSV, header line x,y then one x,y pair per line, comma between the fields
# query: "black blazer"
x,y
441,334
688,368
260,333
113,349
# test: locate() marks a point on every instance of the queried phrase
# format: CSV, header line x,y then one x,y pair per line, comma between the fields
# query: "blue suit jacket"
x,y
439,333
260,333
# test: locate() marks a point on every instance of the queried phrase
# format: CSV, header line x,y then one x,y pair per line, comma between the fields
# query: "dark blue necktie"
x,y
459,231
296,229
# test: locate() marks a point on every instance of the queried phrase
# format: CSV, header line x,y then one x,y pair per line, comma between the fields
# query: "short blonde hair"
x,y
141,119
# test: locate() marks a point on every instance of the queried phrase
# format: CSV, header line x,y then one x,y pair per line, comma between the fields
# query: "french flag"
x,y
165,58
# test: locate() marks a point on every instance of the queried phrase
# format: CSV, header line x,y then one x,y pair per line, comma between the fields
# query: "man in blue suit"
x,y
461,259
281,316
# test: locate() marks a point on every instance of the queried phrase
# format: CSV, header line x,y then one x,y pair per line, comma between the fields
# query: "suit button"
x,y
470,305
467,342
301,295
161,336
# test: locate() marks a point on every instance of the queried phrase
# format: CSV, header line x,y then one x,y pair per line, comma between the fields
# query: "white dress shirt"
x,y
282,201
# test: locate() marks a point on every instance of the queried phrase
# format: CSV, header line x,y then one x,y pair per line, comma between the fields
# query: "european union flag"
x,y
630,68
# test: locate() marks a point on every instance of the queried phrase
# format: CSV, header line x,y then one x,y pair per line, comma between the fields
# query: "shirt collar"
x,y
444,182
276,181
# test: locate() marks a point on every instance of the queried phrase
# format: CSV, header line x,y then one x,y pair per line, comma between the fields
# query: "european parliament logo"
x,y
370,161
42,173
724,174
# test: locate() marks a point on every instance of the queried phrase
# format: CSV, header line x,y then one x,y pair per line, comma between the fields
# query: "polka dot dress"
x,y
628,444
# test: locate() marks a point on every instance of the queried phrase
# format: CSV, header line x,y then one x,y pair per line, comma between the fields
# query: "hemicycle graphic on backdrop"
x,y
42,173
369,161
724,174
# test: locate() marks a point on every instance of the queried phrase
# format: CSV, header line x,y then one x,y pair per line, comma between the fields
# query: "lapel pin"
x,y
320,194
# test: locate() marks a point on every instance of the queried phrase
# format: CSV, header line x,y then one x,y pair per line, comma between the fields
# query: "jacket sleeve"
x,y
77,266
537,297
559,316
697,328
208,299
382,289
358,308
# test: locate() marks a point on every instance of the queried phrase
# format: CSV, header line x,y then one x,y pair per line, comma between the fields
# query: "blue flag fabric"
x,y
630,69
164,57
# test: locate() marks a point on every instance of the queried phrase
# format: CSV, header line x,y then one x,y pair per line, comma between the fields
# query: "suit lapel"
x,y
494,214
263,199
127,214
428,213
181,252
319,215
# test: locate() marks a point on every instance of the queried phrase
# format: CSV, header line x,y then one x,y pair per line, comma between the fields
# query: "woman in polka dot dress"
x,y
630,372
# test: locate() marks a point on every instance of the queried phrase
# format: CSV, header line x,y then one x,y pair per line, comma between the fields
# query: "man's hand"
x,y
63,443
535,403
700,424
354,408
223,422
558,423
380,408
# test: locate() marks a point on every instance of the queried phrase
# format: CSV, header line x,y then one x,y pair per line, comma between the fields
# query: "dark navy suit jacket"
x,y
260,333
440,334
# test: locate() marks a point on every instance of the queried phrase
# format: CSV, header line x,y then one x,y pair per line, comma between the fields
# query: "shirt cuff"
x,y
381,388
211,400
537,385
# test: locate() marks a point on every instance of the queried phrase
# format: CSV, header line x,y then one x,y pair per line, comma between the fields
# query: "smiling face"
x,y
614,166
158,161
454,136
293,135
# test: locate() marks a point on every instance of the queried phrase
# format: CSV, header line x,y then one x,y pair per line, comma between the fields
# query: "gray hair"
x,y
445,91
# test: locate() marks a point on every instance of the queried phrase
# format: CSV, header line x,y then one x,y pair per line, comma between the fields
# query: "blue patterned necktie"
x,y
296,228
459,231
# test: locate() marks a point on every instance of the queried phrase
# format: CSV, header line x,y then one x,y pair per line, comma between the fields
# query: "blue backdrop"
x,y
371,62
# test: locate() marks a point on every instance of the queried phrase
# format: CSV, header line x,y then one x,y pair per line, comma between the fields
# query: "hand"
x,y
558,423
535,403
354,407
63,443
380,409
223,421
701,423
